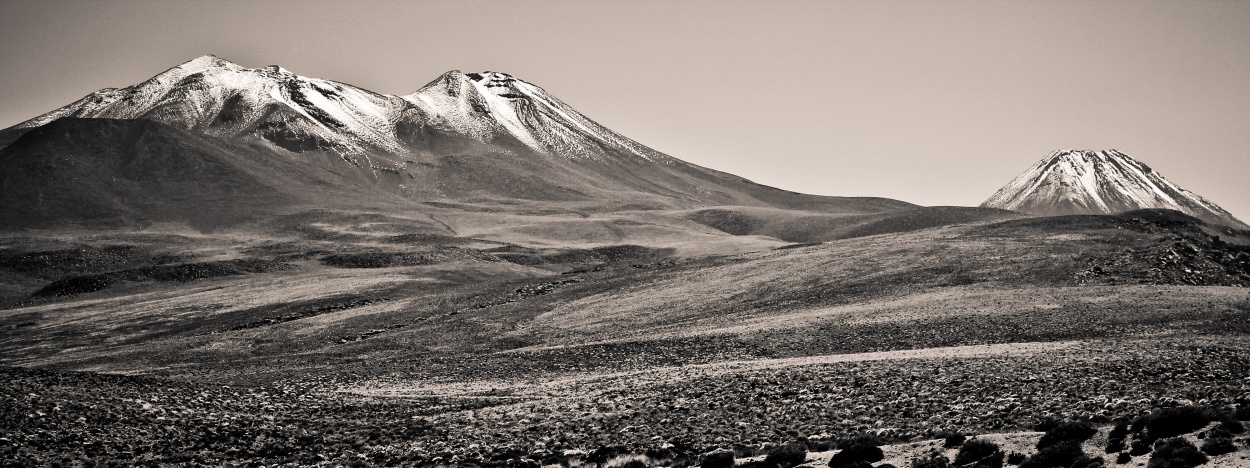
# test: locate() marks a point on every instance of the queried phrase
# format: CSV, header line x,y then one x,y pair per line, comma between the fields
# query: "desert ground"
x,y
492,337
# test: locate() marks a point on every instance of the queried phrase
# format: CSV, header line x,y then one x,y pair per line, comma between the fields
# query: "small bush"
x,y
1140,447
786,455
721,459
1063,453
1176,453
954,440
1123,458
1120,431
1233,427
1218,446
1045,425
1242,413
602,454
1115,444
744,451
1015,458
1085,461
1171,422
1217,433
855,450
819,445
933,460
979,453
1074,431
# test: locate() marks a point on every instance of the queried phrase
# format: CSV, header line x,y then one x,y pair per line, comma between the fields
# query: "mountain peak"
x,y
1099,182
204,62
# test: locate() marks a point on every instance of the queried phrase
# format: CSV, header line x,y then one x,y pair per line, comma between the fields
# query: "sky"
x,y
931,102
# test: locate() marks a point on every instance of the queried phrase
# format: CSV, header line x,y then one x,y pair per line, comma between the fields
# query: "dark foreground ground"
x,y
675,414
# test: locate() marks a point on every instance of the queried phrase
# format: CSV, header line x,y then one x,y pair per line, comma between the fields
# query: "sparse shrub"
x,y
819,445
744,451
1115,444
719,459
932,460
1218,446
1123,458
1242,413
857,449
954,440
1232,426
1120,431
1176,453
1171,422
663,453
1074,431
1063,453
786,455
1015,458
1085,461
1140,447
1046,424
1219,433
602,454
979,453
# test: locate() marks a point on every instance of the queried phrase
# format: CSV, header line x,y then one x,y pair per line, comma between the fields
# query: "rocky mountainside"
x,y
1100,182
463,137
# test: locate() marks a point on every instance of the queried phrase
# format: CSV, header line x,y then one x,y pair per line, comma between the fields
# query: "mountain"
x,y
1100,182
464,137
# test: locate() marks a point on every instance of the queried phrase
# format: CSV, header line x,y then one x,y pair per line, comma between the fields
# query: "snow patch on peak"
x,y
208,62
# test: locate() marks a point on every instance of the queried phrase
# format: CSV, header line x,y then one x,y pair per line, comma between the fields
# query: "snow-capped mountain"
x,y
1100,182
464,137
296,113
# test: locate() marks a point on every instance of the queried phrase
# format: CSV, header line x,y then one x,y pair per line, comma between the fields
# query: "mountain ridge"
x,y
464,137
214,95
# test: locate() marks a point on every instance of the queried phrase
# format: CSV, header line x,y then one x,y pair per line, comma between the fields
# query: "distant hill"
x,y
1100,182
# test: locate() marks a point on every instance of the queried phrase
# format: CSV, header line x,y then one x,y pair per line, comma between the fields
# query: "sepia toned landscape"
x,y
233,266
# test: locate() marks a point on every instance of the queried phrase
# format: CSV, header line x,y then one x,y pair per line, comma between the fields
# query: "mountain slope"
x,y
111,172
480,137
1100,182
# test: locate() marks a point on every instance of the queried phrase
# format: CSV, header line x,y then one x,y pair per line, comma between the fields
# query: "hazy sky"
x,y
932,102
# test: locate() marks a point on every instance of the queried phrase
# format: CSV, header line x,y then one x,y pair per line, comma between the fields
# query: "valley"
x,y
433,347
